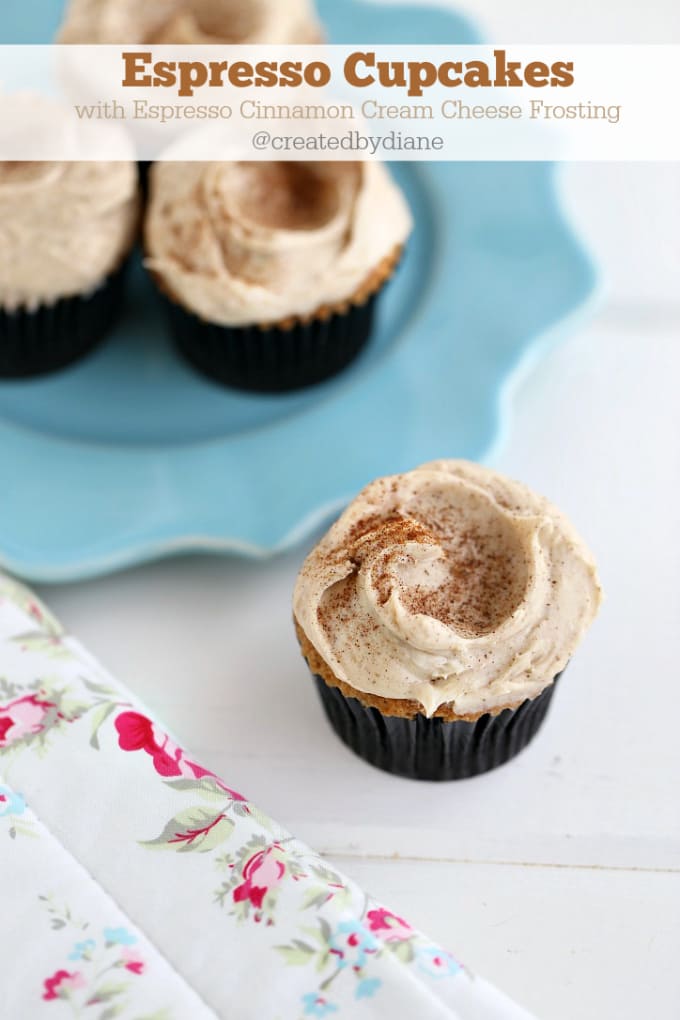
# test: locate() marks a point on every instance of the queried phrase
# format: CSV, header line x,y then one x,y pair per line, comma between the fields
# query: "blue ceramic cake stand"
x,y
129,455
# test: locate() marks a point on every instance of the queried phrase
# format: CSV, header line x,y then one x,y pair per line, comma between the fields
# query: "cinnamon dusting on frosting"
x,y
258,244
484,579
286,196
448,586
484,586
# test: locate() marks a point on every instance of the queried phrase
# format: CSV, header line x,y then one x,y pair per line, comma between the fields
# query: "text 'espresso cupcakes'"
x,y
271,270
437,614
197,22
65,232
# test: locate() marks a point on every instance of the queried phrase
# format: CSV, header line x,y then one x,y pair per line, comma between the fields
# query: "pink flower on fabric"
x,y
262,872
61,983
137,733
22,718
35,611
387,926
132,961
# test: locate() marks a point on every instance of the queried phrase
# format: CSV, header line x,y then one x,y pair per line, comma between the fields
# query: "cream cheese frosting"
x,y
449,584
201,22
256,243
63,228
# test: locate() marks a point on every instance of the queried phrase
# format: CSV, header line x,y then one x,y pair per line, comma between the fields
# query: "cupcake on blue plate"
x,y
437,614
198,22
66,230
190,22
271,271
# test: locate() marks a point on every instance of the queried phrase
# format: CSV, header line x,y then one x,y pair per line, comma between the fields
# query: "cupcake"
x,y
190,22
437,614
65,232
271,271
201,22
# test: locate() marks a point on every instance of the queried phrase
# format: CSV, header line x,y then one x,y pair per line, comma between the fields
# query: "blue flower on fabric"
x,y
367,988
119,937
351,944
82,950
11,803
316,1005
436,962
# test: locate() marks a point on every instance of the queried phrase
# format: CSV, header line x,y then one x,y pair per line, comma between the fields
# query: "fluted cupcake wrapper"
x,y
272,360
144,171
433,749
53,336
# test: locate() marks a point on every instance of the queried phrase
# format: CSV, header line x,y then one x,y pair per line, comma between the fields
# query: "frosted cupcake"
x,y
201,22
272,270
65,232
195,22
437,614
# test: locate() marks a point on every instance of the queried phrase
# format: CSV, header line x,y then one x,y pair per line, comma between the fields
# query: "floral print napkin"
x,y
139,885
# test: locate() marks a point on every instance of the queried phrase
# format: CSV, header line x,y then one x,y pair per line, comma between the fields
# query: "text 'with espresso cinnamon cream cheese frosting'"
x,y
450,585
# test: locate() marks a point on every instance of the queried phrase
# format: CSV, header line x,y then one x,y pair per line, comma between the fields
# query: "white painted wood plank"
x,y
569,945
209,644
628,215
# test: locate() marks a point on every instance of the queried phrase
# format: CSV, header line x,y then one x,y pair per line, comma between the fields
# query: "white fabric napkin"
x,y
137,884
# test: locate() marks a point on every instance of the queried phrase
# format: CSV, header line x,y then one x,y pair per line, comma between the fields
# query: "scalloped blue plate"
x,y
129,456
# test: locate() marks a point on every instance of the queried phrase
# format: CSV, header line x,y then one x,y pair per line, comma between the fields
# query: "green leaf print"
x,y
99,717
297,954
194,830
36,641
207,787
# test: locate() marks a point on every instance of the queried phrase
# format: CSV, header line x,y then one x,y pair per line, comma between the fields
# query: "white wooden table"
x,y
557,877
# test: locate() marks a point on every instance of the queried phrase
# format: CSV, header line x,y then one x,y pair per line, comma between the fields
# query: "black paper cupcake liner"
x,y
53,336
433,749
144,171
272,360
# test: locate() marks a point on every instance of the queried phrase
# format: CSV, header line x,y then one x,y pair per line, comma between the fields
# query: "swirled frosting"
x,y
201,22
255,243
63,227
448,585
